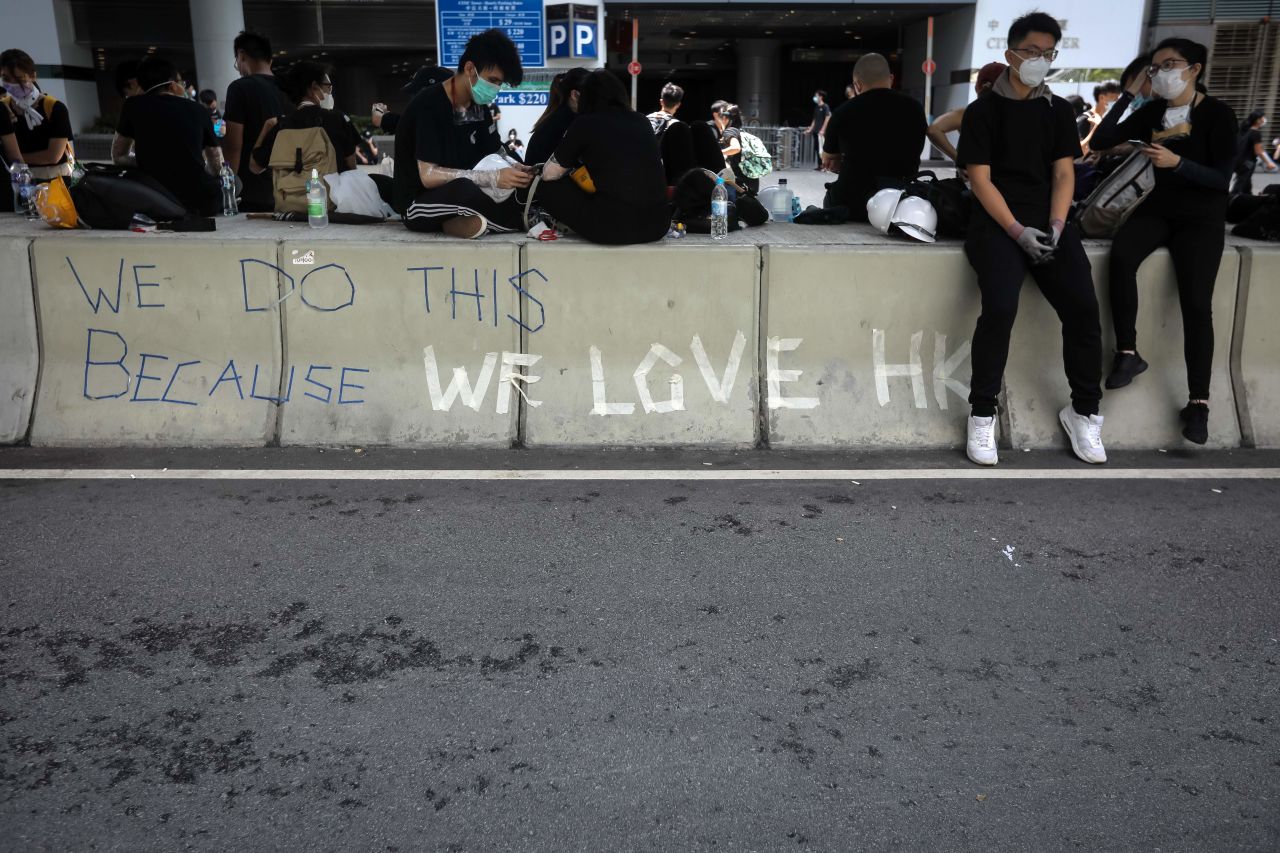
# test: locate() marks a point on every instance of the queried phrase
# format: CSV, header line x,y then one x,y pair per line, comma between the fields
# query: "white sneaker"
x,y
981,445
1085,434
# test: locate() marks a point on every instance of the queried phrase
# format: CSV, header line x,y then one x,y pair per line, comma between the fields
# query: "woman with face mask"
x,y
1250,151
310,86
41,124
554,123
1190,139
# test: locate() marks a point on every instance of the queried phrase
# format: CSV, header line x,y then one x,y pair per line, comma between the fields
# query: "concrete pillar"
x,y
46,31
758,80
214,27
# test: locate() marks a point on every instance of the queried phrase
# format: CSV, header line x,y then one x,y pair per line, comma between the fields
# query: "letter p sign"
x,y
584,40
558,37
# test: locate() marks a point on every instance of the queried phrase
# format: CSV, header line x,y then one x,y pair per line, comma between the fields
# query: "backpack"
x,y
294,154
950,198
1116,197
756,161
107,198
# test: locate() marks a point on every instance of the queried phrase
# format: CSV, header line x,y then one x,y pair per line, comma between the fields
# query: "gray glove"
x,y
1037,244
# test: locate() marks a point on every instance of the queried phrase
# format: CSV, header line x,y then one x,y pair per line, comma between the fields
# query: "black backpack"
x,y
107,198
951,199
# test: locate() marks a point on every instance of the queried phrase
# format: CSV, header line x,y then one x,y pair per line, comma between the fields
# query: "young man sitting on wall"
x,y
446,130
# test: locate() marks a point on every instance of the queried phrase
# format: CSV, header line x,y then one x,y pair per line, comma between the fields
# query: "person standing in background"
x,y
1250,152
251,101
818,127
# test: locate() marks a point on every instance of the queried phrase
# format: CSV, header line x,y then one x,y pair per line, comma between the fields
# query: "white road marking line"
x,y
624,474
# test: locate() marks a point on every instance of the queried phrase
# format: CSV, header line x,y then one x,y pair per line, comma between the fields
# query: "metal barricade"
x,y
789,147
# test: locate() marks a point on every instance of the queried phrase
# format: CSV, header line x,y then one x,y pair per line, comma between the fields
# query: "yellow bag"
x,y
582,178
53,201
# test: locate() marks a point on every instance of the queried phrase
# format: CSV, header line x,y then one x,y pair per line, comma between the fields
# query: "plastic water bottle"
x,y
219,128
317,201
77,174
719,211
23,189
780,203
795,207
228,179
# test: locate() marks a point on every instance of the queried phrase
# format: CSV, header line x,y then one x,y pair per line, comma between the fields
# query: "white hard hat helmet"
x,y
880,208
916,218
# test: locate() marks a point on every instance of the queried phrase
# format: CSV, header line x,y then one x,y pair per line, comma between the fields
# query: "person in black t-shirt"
x,y
1190,139
818,127
727,119
448,129
562,109
172,138
1250,151
617,148
310,84
251,101
41,123
9,154
1019,145
874,140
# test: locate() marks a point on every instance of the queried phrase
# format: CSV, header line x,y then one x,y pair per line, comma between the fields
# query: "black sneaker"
x,y
1127,366
1195,422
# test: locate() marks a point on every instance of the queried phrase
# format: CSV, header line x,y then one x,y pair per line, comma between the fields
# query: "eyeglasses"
x,y
1035,53
1167,65
327,85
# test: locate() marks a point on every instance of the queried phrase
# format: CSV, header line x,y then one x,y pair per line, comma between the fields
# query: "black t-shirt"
x,y
820,113
1249,140
335,124
6,122
728,136
621,155
1020,141
6,128
56,125
548,135
250,102
432,131
169,137
879,135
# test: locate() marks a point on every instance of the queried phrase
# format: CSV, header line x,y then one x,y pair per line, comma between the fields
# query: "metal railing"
x,y
790,147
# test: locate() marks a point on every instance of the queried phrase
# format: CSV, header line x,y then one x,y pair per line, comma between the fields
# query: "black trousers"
x,y
1066,282
1195,245
460,197
1243,182
600,218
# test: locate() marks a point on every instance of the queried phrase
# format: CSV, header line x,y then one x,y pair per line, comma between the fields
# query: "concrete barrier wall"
x,y
326,339
1258,346
867,348
400,344
19,347
643,346
148,341
1145,414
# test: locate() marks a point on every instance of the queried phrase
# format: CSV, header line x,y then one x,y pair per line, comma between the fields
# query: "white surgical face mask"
x,y
1033,71
1168,84
326,103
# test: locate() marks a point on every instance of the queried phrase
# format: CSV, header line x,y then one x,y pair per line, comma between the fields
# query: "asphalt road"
x,y
674,665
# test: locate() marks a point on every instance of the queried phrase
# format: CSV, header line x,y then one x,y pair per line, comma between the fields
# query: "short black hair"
x,y
493,49
603,92
155,70
1192,51
1077,104
1133,69
126,71
301,76
255,45
1106,87
1033,22
672,95
822,93
207,96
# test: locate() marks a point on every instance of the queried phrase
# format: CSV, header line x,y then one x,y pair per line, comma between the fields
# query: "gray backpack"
x,y
1116,197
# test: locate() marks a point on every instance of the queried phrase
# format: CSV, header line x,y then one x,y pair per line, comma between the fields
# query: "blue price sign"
x,y
518,98
521,20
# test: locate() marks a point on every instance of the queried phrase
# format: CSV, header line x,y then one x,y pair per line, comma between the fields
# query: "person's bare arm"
x,y
51,155
233,143
552,170
213,159
733,149
120,147
1260,152
512,177
989,197
9,144
349,163
831,162
254,166
825,122
948,122
1064,187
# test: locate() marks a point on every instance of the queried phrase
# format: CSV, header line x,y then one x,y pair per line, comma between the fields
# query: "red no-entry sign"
x,y
633,68
929,66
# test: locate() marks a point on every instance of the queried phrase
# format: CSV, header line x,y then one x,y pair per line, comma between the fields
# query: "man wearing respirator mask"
x,y
1019,145
445,131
